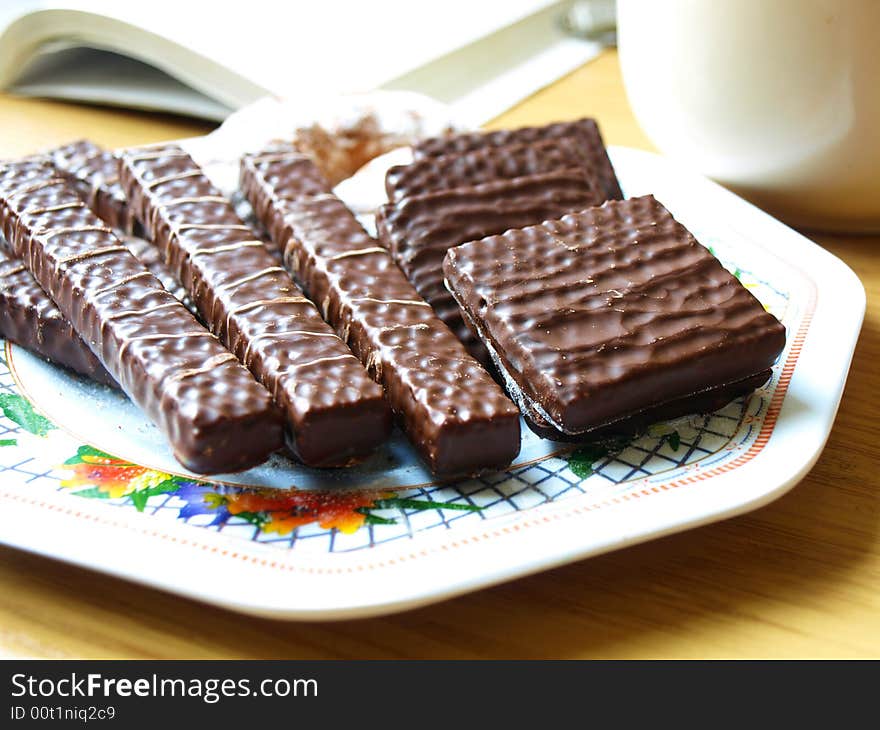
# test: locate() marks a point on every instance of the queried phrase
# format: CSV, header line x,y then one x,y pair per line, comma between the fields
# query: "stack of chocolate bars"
x,y
600,315
464,187
503,257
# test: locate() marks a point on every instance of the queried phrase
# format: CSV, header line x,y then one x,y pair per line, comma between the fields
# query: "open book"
x,y
207,59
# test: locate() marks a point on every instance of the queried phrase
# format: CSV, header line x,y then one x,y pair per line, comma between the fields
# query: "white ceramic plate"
x,y
84,478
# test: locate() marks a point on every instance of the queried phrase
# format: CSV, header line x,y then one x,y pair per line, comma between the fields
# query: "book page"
x,y
221,56
332,46
101,77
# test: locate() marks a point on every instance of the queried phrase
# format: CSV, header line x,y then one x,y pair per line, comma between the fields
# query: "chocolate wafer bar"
x,y
419,230
30,318
453,412
583,131
488,164
151,257
610,314
215,416
336,414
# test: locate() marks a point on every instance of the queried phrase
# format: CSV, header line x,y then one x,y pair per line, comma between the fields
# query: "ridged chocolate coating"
x,y
336,414
584,131
28,317
604,314
454,413
215,416
151,257
95,174
487,164
419,230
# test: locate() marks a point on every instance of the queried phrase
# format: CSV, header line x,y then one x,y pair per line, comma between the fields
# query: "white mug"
x,y
777,99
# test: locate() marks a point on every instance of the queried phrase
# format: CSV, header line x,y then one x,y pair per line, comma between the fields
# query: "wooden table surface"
x,y
799,578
